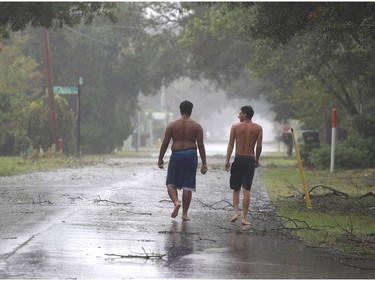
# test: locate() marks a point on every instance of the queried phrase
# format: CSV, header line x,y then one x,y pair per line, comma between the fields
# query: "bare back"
x,y
185,134
246,135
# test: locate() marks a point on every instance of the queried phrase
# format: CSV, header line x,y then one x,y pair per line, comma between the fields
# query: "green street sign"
x,y
58,90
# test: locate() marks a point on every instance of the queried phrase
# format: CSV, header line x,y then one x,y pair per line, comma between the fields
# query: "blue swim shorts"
x,y
182,169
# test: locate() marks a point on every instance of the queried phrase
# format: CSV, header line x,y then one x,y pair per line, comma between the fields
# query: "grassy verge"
x,y
343,205
17,165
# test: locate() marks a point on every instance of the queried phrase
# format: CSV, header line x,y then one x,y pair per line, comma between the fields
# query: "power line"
x,y
87,36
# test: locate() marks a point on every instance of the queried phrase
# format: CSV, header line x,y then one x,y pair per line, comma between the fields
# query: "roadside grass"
x,y
132,153
342,216
15,165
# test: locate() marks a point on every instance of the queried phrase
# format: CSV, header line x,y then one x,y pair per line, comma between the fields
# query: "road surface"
x,y
112,221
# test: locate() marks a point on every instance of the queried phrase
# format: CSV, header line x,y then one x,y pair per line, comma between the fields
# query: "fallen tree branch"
x,y
341,227
136,213
205,239
367,194
139,256
74,198
178,232
356,266
212,205
40,201
361,240
334,191
108,201
291,186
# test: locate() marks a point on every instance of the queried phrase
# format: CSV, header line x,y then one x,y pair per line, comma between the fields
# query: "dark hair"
x,y
248,110
186,107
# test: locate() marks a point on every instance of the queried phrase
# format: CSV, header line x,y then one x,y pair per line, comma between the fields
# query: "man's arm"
x,y
230,148
258,149
202,150
164,146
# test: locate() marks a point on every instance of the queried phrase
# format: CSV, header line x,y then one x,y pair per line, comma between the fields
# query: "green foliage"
x,y
6,141
318,157
66,122
20,82
15,16
307,57
349,154
303,58
217,50
36,125
280,22
118,61
365,123
352,154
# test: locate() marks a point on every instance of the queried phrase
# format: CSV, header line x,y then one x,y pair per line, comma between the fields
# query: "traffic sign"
x,y
59,90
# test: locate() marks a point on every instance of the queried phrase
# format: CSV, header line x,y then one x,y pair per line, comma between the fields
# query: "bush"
x,y
35,122
22,145
6,141
349,154
320,158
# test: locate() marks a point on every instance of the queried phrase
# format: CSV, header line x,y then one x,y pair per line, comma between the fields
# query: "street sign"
x,y
59,90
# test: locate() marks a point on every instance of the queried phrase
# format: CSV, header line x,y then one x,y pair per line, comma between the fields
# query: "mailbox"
x,y
311,137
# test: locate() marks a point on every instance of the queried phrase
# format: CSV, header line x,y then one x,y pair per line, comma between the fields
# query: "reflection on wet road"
x,y
113,221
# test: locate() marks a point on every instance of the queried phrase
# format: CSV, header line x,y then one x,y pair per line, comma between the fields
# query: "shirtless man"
x,y
247,135
187,136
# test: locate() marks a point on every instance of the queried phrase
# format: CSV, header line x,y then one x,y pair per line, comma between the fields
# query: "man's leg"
x,y
245,206
236,202
173,194
186,199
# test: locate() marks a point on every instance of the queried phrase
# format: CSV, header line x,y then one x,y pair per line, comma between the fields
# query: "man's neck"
x,y
185,116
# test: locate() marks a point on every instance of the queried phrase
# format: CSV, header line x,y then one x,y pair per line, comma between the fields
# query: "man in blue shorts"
x,y
187,136
247,136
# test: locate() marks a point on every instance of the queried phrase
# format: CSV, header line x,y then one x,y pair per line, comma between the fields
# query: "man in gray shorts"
x,y
247,136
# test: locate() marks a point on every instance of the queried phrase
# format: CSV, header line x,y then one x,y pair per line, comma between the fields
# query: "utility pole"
x,y
333,140
51,97
80,84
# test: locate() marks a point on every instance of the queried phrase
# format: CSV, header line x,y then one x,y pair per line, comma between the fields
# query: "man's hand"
x,y
204,169
161,164
227,166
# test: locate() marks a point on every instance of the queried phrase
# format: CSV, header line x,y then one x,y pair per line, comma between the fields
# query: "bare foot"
x,y
234,218
185,218
245,222
176,209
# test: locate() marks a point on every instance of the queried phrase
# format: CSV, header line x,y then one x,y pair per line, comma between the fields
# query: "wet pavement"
x,y
112,221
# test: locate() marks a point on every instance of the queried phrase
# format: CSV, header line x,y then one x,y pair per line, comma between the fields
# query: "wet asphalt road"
x,y
112,221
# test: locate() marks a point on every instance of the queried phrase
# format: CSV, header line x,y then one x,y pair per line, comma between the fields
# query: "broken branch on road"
x,y
109,201
212,205
145,255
